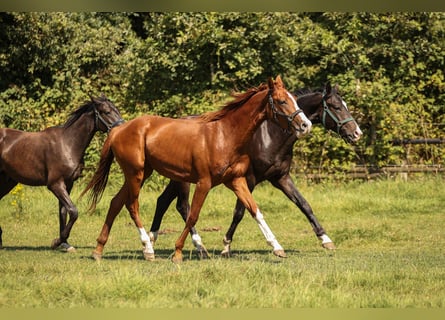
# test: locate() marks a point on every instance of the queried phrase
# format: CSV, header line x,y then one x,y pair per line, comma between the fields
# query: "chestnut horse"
x,y
271,162
209,151
54,157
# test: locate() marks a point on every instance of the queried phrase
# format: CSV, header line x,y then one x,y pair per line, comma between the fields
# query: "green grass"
x,y
389,236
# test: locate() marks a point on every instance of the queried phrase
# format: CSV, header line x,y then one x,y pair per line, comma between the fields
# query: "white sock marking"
x,y
145,239
325,239
268,234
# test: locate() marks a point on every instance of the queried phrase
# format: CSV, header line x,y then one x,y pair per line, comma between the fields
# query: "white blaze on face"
x,y
344,104
302,115
358,132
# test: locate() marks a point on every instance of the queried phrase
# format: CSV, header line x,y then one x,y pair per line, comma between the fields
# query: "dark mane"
x,y
240,98
305,91
75,115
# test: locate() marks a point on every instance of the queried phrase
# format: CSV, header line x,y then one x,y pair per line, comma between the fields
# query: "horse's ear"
x,y
271,83
327,87
279,82
336,88
94,100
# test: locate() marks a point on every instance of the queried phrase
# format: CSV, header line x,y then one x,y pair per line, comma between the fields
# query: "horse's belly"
x,y
175,172
26,176
21,169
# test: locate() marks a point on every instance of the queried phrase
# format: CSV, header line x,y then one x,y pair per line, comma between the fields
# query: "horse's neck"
x,y
273,139
242,123
311,105
78,136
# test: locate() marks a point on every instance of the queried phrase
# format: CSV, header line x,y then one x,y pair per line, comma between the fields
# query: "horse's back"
x,y
22,155
8,137
164,144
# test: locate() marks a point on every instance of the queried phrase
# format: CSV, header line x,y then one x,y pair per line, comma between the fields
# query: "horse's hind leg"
x,y
181,191
6,185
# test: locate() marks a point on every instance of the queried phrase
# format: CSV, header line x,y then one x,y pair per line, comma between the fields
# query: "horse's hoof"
x,y
65,246
96,256
56,243
280,253
226,253
328,245
203,253
149,256
153,238
177,258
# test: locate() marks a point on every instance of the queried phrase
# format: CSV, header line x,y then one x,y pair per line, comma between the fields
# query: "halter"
x,y
288,117
98,117
326,110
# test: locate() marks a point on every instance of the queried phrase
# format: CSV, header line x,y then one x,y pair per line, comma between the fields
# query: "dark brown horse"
x,y
271,153
54,157
209,151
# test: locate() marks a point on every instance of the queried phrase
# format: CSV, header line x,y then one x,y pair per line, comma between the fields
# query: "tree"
x,y
390,68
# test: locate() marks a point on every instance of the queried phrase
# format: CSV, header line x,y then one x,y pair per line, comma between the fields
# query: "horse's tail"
x,y
99,181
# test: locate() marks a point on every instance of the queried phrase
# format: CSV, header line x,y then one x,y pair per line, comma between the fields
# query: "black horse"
x,y
54,157
272,161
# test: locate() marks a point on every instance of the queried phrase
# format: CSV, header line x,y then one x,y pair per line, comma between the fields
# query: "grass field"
x,y
389,235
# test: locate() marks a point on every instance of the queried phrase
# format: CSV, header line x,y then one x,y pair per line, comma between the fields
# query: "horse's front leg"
x,y
238,214
64,245
135,182
66,207
239,186
287,186
181,191
201,191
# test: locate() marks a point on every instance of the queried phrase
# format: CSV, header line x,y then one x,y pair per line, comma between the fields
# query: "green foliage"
x,y
390,68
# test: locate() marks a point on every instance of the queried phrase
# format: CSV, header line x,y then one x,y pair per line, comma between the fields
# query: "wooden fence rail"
x,y
369,173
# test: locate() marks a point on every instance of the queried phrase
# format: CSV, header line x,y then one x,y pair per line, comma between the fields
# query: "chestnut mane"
x,y
240,98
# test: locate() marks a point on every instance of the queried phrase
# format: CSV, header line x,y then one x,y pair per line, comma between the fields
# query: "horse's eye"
x,y
282,102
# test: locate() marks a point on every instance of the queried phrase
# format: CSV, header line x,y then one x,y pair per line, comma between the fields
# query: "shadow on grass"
x,y
38,248
192,255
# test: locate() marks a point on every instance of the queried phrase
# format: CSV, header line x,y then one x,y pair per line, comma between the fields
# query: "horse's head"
x,y
106,115
284,109
336,115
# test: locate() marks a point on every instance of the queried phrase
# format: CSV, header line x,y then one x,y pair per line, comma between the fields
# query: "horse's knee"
x,y
191,221
183,208
73,213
